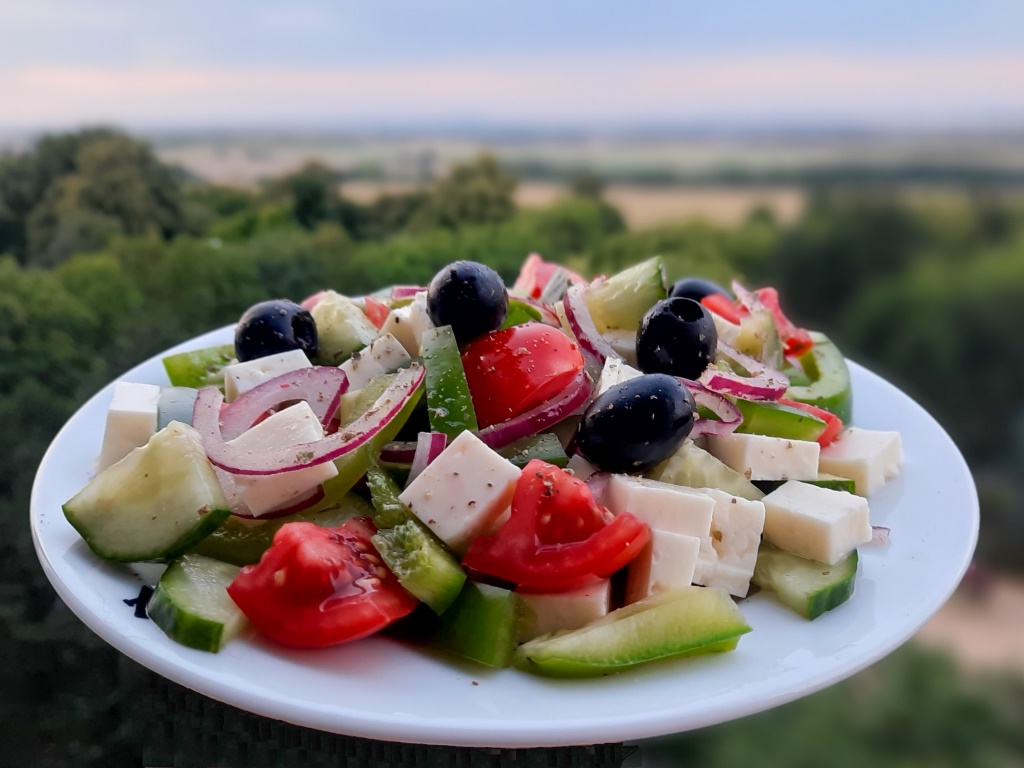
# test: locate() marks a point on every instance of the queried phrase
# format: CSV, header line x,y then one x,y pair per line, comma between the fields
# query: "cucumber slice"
x,y
696,468
199,368
482,625
175,404
341,328
681,622
545,446
192,606
823,480
830,386
623,299
808,587
158,502
449,405
775,420
243,542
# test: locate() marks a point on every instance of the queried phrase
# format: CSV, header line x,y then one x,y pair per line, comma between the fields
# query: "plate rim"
x,y
466,732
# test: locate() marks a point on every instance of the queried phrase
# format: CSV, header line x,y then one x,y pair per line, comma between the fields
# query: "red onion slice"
x,y
729,416
242,462
548,316
320,386
398,452
598,485
428,447
541,417
593,345
747,299
763,383
879,536
405,291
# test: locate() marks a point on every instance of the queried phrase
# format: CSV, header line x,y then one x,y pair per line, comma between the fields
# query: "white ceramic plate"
x,y
381,689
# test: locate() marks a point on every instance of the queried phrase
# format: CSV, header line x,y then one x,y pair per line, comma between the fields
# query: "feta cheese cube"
x,y
408,323
662,506
241,377
623,342
667,562
816,523
463,491
866,456
383,355
727,557
580,467
759,457
615,371
291,426
131,421
551,612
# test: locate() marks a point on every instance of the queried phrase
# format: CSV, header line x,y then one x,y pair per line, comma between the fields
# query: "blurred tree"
x,y
479,192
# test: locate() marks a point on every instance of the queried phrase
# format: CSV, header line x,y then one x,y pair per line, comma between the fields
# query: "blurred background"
x,y
164,167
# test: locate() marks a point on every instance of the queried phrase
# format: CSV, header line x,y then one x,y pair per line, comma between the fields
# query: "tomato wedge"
x,y
557,537
514,370
318,586
535,274
833,424
376,311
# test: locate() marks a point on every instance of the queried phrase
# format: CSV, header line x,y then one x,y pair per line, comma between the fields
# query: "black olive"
x,y
696,288
272,327
636,424
678,337
468,296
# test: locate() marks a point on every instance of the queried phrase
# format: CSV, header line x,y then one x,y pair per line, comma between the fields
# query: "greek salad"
x,y
568,476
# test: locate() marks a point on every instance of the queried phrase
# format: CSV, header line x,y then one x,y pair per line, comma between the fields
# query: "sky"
x,y
528,63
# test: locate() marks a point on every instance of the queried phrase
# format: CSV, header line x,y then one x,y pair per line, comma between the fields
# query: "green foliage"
x,y
479,192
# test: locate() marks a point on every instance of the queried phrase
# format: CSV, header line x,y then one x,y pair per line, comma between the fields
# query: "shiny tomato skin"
x,y
376,311
557,537
516,369
317,586
535,274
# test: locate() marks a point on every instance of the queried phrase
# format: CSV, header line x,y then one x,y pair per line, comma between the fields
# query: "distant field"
x,y
642,206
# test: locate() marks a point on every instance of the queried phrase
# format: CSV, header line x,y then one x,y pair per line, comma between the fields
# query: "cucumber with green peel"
x,y
423,564
175,404
199,368
482,624
158,502
546,446
776,420
192,606
808,587
449,404
682,622
830,385
623,299
243,542
342,328
694,467
823,480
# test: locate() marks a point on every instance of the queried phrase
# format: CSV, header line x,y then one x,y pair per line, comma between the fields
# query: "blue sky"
x,y
526,63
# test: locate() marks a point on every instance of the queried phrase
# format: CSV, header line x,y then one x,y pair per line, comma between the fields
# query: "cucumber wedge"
x,y
482,625
696,468
775,420
623,299
830,386
808,587
192,606
199,368
823,480
158,502
681,622
342,328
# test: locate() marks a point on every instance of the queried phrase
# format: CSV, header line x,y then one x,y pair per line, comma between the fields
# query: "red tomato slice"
x,y
519,368
724,307
377,311
834,425
535,274
320,586
795,340
557,537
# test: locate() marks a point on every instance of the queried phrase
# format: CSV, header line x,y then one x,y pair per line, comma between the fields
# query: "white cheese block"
x,y
623,342
615,371
662,506
759,457
667,562
241,377
290,426
408,323
816,523
383,355
463,491
866,456
551,612
131,421
728,555
580,467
